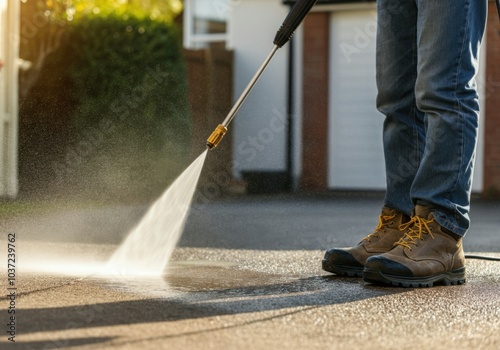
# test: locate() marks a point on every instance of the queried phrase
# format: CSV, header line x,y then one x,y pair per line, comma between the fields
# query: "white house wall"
x,y
259,129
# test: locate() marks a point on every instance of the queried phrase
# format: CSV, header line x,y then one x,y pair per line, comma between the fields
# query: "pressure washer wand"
x,y
285,32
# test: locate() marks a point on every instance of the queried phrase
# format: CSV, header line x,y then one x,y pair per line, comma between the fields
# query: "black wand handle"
x,y
293,20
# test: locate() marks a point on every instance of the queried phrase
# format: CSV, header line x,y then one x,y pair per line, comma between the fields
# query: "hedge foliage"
x,y
129,76
129,128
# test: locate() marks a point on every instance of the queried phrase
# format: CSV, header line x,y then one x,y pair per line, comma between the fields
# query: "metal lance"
x,y
285,32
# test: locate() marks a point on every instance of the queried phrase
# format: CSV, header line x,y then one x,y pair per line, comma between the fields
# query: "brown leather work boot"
x,y
424,256
351,261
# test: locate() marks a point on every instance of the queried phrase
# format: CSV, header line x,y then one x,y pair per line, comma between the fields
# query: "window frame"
x,y
192,40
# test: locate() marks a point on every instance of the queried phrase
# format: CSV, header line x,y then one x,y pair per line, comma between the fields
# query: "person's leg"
x,y
449,33
449,36
396,66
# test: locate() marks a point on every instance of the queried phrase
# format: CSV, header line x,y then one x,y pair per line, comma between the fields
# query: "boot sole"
x,y
340,270
454,277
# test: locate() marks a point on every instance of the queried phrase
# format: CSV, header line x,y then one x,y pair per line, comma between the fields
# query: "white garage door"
x,y
356,159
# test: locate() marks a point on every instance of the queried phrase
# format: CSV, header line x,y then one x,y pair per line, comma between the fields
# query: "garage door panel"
x,y
355,126
355,158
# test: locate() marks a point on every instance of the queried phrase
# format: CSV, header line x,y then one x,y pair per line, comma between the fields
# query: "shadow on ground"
x,y
189,296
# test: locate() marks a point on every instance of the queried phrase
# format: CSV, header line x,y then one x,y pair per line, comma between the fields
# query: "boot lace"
x,y
416,228
383,220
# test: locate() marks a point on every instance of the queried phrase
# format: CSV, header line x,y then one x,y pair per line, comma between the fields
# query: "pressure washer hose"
x,y
290,24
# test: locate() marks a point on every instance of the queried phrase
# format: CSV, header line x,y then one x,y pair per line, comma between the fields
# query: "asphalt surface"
x,y
246,275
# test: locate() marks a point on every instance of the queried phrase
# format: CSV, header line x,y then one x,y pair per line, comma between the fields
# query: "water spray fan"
x,y
285,32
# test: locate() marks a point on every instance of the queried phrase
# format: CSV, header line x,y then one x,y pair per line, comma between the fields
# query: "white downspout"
x,y
9,92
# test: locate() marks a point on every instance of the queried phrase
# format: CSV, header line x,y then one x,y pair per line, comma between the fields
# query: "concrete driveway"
x,y
246,275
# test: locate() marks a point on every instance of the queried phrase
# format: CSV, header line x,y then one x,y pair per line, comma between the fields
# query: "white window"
x,y
205,22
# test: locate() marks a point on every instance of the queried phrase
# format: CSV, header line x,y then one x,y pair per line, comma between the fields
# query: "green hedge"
x,y
130,130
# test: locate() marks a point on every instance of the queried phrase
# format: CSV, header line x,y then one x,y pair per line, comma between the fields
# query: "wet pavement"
x,y
246,275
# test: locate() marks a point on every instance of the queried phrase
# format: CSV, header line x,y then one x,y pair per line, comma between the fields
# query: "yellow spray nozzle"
x,y
216,136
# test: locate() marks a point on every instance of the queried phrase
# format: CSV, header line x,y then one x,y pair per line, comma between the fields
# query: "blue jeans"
x,y
427,58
